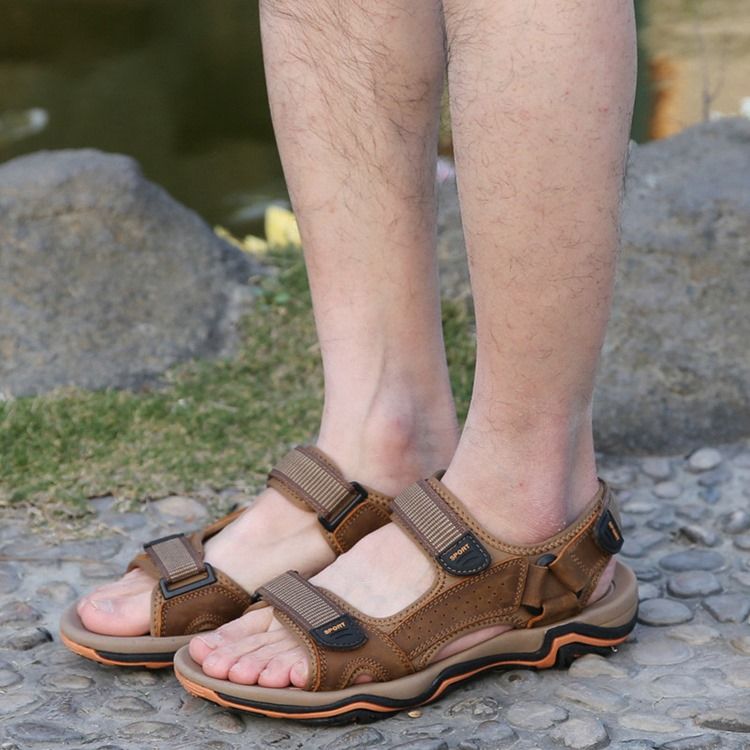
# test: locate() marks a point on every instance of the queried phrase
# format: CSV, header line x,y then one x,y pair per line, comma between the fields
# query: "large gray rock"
x,y
675,372
105,280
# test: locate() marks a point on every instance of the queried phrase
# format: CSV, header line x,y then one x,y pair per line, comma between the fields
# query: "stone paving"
x,y
682,682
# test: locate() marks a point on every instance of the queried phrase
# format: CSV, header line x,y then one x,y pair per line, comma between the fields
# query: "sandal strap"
x,y
439,529
327,623
191,595
346,510
480,582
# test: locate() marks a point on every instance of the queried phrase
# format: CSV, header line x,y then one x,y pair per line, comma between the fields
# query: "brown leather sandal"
x,y
191,595
540,590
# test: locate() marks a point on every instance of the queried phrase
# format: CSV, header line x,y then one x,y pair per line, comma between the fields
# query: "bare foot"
x,y
256,649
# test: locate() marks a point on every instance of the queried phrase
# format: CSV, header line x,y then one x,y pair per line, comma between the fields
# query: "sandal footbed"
x,y
598,628
141,650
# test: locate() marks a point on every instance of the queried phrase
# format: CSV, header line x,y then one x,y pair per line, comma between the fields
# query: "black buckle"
x,y
194,586
342,514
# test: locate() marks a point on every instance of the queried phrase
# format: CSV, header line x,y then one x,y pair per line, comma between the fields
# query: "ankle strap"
x,y
346,510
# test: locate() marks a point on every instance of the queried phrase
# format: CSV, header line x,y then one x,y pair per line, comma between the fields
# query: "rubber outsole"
x,y
150,661
561,646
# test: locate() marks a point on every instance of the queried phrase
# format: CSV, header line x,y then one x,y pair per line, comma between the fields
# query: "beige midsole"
x,y
614,609
73,629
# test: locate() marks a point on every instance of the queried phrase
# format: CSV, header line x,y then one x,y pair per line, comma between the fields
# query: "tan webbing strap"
x,y
307,473
175,557
424,514
312,611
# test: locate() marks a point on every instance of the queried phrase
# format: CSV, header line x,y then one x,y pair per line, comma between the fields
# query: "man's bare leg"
x,y
541,102
356,114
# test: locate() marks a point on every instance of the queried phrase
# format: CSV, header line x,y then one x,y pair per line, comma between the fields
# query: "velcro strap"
x,y
424,514
313,611
307,473
175,558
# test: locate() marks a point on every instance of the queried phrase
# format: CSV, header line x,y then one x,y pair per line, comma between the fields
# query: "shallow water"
x,y
179,86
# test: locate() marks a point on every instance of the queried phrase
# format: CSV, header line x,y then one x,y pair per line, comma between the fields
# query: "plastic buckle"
x,y
194,586
332,524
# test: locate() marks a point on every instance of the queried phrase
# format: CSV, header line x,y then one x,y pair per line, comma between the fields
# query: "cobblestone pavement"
x,y
682,682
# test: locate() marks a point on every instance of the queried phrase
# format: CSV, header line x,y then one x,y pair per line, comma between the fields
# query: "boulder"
x,y
105,280
675,370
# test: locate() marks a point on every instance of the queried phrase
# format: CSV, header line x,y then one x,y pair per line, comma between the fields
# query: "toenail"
x,y
212,640
103,605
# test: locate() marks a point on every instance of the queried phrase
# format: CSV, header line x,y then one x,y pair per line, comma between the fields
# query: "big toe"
x,y
116,615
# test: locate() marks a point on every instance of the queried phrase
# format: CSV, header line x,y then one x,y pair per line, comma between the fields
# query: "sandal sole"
x,y
120,651
599,629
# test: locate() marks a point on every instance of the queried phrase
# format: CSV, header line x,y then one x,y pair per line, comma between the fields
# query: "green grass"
x,y
214,424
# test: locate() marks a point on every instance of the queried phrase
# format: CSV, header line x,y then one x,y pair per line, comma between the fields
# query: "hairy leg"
x,y
541,102
355,115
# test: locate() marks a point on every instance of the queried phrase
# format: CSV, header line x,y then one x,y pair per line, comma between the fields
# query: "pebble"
x,y
738,674
581,733
226,723
667,490
517,680
710,495
742,577
660,612
704,459
356,738
535,714
44,731
595,698
647,722
676,686
593,665
742,542
619,478
737,522
659,469
693,583
128,705
664,520
10,578
648,591
692,559
18,613
493,734
696,742
67,681
9,676
700,534
185,509
728,607
695,635
741,644
25,640
692,512
426,743
153,730
716,476
59,592
660,652
484,707
728,718
639,506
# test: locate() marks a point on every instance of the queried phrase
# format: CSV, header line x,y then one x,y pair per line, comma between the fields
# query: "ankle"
x,y
526,485
400,439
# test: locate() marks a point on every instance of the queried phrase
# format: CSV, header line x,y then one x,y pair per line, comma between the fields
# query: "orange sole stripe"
x,y
90,653
200,691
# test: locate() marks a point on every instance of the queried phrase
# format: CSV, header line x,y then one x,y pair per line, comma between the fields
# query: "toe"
x,y
277,673
261,647
299,672
253,623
